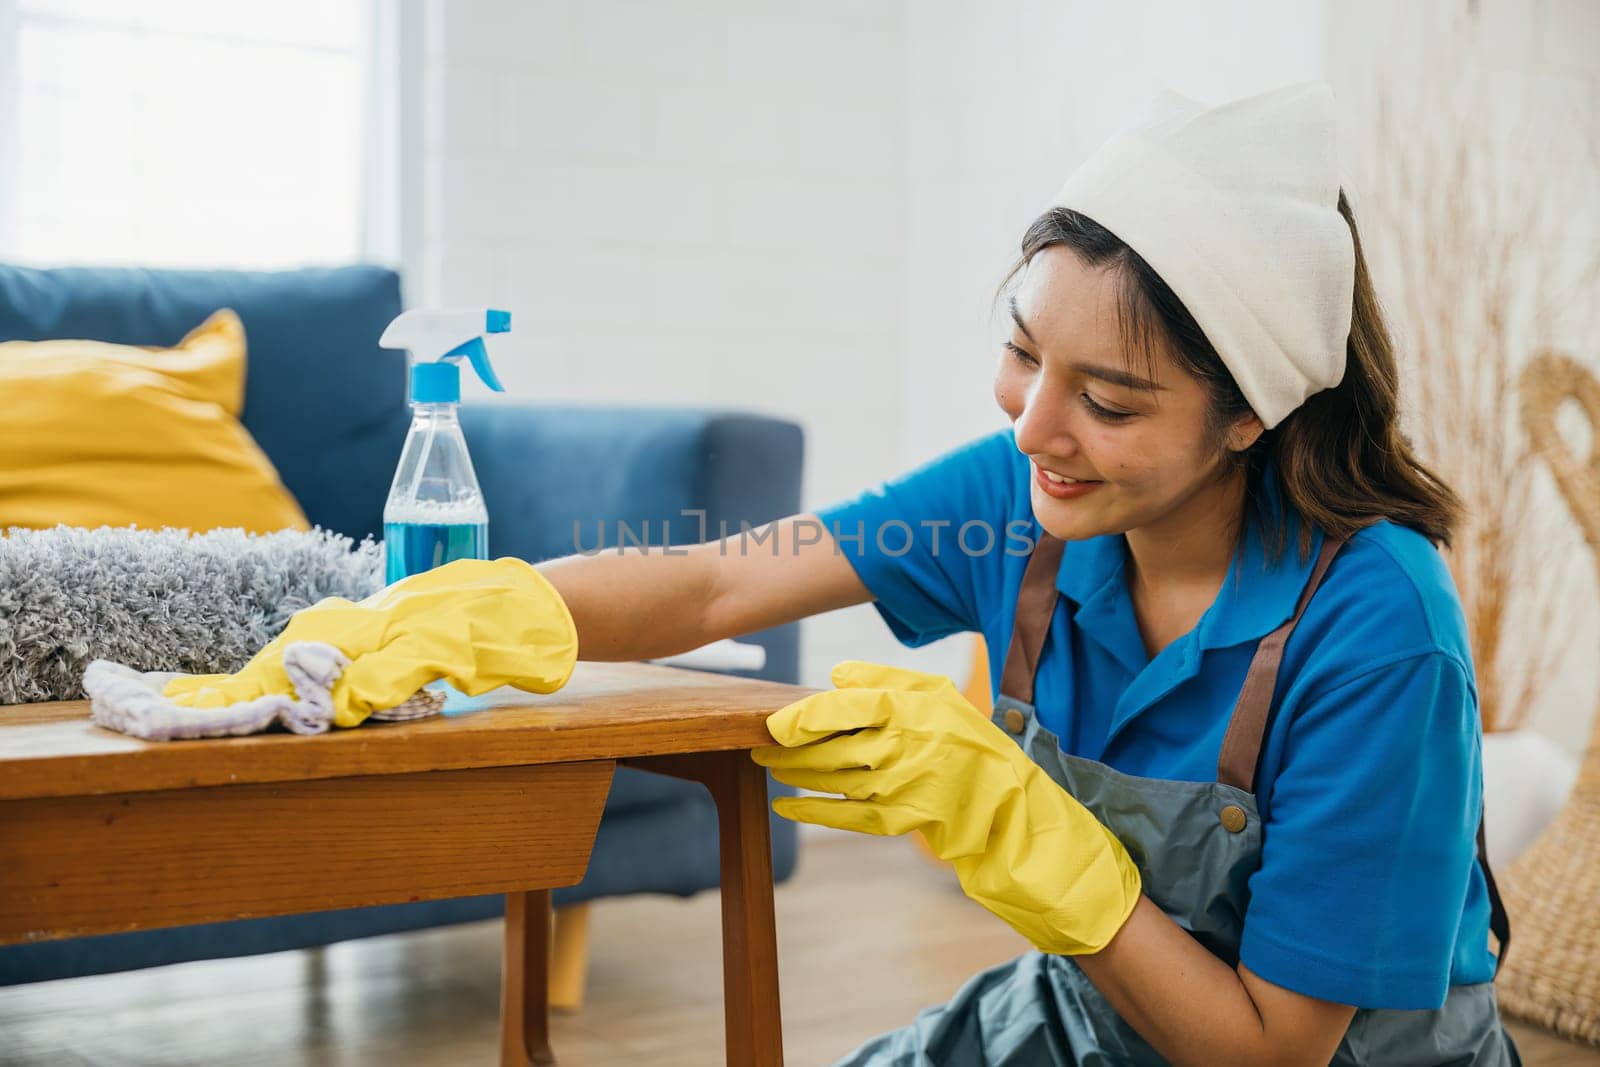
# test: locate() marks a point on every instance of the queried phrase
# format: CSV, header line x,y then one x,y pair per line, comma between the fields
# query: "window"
x,y
193,133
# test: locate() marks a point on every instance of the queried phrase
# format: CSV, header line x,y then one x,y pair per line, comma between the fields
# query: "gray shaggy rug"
x,y
159,600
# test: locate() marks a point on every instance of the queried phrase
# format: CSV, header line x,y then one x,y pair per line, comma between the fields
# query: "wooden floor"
x,y
868,932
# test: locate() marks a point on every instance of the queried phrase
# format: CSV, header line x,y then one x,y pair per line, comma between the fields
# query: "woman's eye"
x,y
1021,355
1104,413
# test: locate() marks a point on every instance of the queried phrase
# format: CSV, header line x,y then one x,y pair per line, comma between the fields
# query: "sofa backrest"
x,y
326,404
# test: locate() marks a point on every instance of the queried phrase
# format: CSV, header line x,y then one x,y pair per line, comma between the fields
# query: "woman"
x,y
1231,787
1203,403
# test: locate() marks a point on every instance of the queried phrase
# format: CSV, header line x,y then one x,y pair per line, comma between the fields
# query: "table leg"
x,y
524,983
751,1015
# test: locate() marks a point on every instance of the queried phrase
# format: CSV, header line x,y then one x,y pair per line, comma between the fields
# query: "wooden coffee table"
x,y
101,833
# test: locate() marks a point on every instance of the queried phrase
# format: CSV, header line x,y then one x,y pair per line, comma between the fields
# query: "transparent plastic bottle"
x,y
435,511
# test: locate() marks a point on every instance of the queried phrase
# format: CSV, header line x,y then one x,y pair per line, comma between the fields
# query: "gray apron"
x,y
1196,844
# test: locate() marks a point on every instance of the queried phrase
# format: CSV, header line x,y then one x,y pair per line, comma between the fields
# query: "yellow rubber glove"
x,y
478,624
908,752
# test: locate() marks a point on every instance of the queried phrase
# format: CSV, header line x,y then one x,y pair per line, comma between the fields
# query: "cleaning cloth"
x,y
478,624
133,702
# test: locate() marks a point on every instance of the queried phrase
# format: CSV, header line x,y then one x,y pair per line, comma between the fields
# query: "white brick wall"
x,y
684,203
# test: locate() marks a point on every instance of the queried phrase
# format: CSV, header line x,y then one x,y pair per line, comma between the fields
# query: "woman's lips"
x,y
1062,490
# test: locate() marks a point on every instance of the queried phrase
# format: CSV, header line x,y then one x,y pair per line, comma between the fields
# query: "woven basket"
x,y
1551,976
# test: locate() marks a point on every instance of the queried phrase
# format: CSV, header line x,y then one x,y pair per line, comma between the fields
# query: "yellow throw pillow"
x,y
96,434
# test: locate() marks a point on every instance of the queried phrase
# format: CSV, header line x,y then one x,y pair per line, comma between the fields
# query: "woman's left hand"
x,y
908,752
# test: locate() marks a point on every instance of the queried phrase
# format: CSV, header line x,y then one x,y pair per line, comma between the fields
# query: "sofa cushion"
x,y
325,403
97,434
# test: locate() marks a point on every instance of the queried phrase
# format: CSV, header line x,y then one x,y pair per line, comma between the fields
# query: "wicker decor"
x,y
1551,976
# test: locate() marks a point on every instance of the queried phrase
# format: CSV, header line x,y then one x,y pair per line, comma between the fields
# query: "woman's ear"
x,y
1245,431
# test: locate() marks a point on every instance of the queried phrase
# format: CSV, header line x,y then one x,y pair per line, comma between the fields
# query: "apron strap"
x,y
1241,746
1036,605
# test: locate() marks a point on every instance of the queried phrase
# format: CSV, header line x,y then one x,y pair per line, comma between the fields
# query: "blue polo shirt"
x,y
1370,783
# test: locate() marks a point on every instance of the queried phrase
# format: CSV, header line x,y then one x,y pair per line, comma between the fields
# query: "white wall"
x,y
690,202
686,202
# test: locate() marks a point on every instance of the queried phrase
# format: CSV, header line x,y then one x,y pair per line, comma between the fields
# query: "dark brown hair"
x,y
1341,458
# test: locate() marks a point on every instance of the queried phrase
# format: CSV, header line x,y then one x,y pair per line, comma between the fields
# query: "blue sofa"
x,y
329,407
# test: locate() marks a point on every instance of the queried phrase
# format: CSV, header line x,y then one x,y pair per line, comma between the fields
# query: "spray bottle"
x,y
435,512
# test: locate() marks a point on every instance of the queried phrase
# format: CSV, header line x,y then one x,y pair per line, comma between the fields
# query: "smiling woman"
x,y
1204,747
1341,453
1198,377
1137,432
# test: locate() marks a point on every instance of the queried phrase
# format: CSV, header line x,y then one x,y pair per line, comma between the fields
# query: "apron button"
x,y
1014,720
1233,818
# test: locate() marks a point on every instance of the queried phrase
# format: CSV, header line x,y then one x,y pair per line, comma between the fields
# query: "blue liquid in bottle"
x,y
414,547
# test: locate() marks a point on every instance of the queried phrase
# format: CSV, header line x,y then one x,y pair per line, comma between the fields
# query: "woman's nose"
x,y
1040,430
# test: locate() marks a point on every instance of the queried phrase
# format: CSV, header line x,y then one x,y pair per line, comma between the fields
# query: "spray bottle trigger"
x,y
478,355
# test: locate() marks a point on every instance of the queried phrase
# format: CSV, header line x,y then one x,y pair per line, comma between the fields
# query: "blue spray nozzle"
x,y
478,355
435,337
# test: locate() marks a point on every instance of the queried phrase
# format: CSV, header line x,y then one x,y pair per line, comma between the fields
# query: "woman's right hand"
x,y
478,624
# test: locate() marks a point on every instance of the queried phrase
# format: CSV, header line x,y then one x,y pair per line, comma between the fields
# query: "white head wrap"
x,y
1236,207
